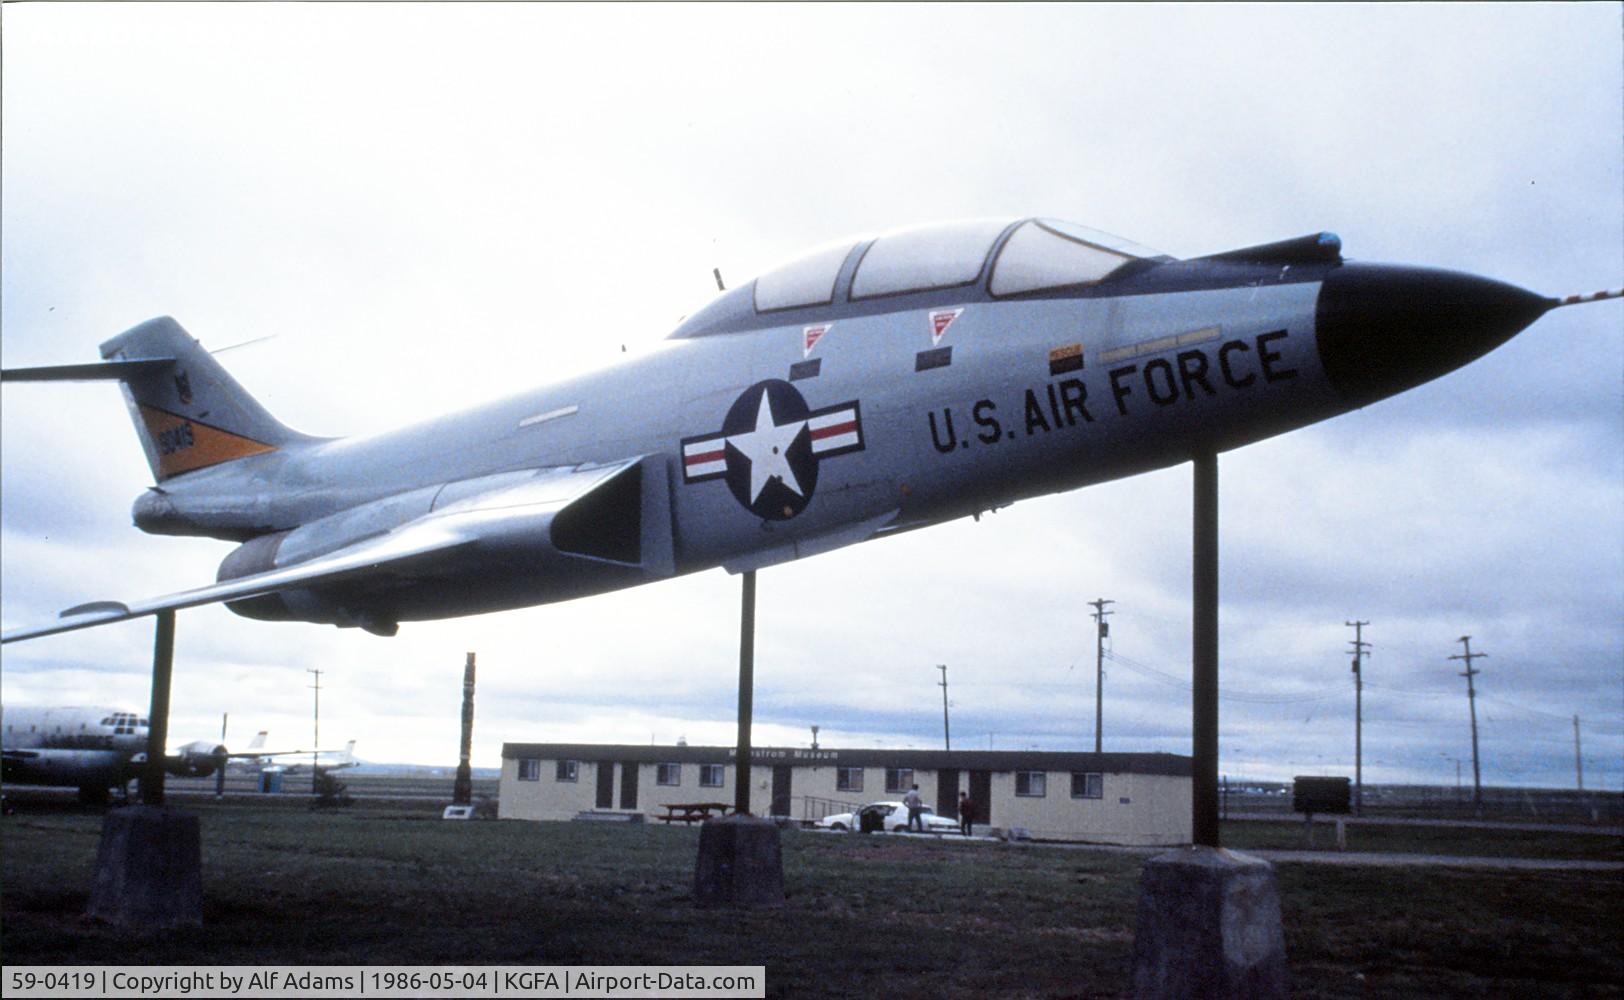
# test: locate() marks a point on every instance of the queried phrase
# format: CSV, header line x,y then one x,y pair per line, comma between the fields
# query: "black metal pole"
x,y
1204,654
163,663
747,668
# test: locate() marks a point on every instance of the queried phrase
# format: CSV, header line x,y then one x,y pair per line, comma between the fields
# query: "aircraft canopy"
x,y
1012,256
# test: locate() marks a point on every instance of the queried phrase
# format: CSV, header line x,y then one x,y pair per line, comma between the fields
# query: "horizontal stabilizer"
x,y
98,372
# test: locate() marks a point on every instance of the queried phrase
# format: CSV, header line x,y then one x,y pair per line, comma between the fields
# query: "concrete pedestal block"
x,y
149,869
740,863
1209,927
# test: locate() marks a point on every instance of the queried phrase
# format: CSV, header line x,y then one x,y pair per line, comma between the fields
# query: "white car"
x,y
891,817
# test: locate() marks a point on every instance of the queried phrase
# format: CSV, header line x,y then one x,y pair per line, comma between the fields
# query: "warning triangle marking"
x,y
940,320
811,335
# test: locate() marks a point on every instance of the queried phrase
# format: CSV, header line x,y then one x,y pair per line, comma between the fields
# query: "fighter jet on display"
x,y
868,388
94,748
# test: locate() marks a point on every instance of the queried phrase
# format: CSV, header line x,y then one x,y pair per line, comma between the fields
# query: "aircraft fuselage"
x,y
822,404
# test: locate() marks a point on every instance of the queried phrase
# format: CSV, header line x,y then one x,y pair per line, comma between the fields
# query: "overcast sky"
x,y
430,205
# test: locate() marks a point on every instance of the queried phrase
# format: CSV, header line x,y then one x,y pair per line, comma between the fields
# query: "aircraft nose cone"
x,y
1383,329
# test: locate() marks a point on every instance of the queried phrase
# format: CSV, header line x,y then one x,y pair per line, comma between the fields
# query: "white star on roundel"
x,y
767,448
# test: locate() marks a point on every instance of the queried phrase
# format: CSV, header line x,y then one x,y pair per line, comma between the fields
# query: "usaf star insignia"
x,y
769,448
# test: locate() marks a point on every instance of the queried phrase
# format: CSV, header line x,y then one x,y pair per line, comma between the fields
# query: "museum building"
x,y
1113,798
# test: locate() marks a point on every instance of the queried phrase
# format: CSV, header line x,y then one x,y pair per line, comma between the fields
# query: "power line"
x,y
1256,697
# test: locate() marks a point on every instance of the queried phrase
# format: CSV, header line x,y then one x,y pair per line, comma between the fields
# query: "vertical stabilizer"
x,y
189,413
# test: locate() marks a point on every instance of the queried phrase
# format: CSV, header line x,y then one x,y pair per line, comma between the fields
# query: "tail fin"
x,y
259,740
188,412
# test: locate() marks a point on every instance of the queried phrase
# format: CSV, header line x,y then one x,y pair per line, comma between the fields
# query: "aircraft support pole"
x,y
1209,919
741,863
747,668
1204,654
163,663
149,865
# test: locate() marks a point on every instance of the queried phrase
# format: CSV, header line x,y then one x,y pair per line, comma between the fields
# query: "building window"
x,y
569,770
898,779
529,769
710,776
849,779
1030,783
1089,785
668,774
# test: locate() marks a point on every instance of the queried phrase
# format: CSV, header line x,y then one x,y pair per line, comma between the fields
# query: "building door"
x,y
781,781
628,786
981,795
947,792
606,785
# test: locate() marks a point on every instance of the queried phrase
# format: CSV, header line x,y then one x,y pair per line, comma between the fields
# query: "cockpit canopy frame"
x,y
985,258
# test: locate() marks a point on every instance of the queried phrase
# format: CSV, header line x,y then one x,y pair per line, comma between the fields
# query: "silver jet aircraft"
x,y
870,387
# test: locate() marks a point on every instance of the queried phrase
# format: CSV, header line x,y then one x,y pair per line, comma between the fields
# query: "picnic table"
x,y
691,812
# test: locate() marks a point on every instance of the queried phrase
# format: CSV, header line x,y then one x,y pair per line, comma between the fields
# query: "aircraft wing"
x,y
495,515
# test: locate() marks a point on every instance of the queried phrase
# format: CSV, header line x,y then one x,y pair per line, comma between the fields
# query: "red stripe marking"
x,y
834,429
701,458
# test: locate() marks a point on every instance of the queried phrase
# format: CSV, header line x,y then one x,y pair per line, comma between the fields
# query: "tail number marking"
x,y
177,438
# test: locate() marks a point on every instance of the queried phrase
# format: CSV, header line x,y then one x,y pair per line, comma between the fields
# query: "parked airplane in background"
x,y
871,387
258,760
93,748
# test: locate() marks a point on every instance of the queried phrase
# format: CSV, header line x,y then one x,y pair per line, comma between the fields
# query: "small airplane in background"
x,y
266,761
94,748
869,388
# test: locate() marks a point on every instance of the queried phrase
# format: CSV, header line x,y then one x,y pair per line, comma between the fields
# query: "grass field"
x,y
865,915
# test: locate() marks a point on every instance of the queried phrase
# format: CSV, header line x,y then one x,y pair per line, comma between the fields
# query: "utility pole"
x,y
315,751
1102,630
947,737
1471,697
1359,652
220,760
462,788
1578,759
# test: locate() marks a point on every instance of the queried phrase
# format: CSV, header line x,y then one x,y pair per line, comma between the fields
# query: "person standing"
x,y
967,813
916,809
